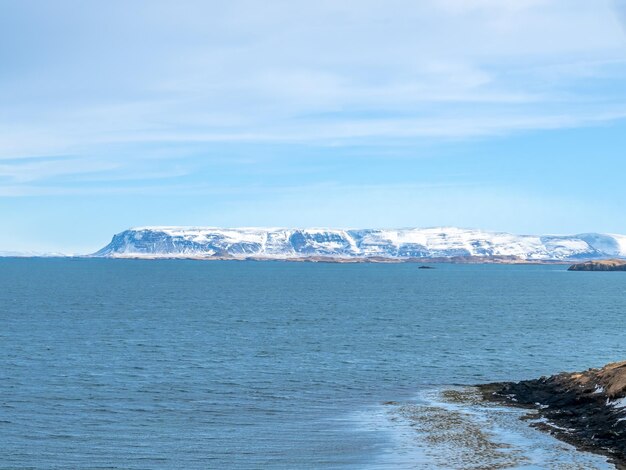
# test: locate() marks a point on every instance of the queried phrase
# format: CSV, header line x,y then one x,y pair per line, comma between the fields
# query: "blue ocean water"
x,y
189,364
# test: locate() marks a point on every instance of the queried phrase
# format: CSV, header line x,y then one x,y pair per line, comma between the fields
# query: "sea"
x,y
182,364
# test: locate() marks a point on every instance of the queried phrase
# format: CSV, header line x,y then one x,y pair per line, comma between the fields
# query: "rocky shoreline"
x,y
586,409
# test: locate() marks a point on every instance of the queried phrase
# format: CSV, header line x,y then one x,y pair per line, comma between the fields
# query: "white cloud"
x,y
304,71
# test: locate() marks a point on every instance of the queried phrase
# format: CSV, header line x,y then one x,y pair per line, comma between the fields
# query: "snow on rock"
x,y
284,243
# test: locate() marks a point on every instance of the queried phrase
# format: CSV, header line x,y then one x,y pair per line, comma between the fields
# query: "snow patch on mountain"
x,y
285,243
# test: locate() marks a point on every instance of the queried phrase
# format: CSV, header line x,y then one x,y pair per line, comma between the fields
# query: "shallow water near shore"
x,y
186,364
452,427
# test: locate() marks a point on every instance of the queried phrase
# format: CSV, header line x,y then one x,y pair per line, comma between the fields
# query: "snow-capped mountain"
x,y
398,244
32,254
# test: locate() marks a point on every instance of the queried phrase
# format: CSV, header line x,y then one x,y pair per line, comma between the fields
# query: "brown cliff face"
x,y
600,265
611,378
586,409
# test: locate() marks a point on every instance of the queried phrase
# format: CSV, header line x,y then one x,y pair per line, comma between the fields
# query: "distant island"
x,y
586,409
440,244
600,265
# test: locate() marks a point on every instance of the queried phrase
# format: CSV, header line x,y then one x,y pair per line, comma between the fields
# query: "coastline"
x,y
345,260
586,409
615,264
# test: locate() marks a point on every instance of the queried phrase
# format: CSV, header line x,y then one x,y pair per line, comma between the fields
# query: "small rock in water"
x,y
600,265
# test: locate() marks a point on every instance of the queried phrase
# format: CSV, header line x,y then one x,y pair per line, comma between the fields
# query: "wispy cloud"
x,y
27,170
229,72
620,8
213,102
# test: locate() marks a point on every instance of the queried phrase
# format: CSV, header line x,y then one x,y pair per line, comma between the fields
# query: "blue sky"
x,y
476,113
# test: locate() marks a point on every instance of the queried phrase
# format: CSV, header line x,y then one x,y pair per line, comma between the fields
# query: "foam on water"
x,y
453,427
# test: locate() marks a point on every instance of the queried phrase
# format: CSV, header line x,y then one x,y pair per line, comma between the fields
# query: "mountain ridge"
x,y
330,244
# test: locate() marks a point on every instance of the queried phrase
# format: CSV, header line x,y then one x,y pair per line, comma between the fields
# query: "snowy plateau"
x,y
444,243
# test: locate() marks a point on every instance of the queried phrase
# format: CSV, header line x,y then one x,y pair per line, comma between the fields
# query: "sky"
x,y
507,116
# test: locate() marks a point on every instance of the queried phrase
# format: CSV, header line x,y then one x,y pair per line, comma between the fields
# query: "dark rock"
x,y
600,265
584,409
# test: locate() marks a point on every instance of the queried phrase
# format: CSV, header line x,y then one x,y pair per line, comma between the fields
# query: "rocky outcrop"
x,y
586,409
600,265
